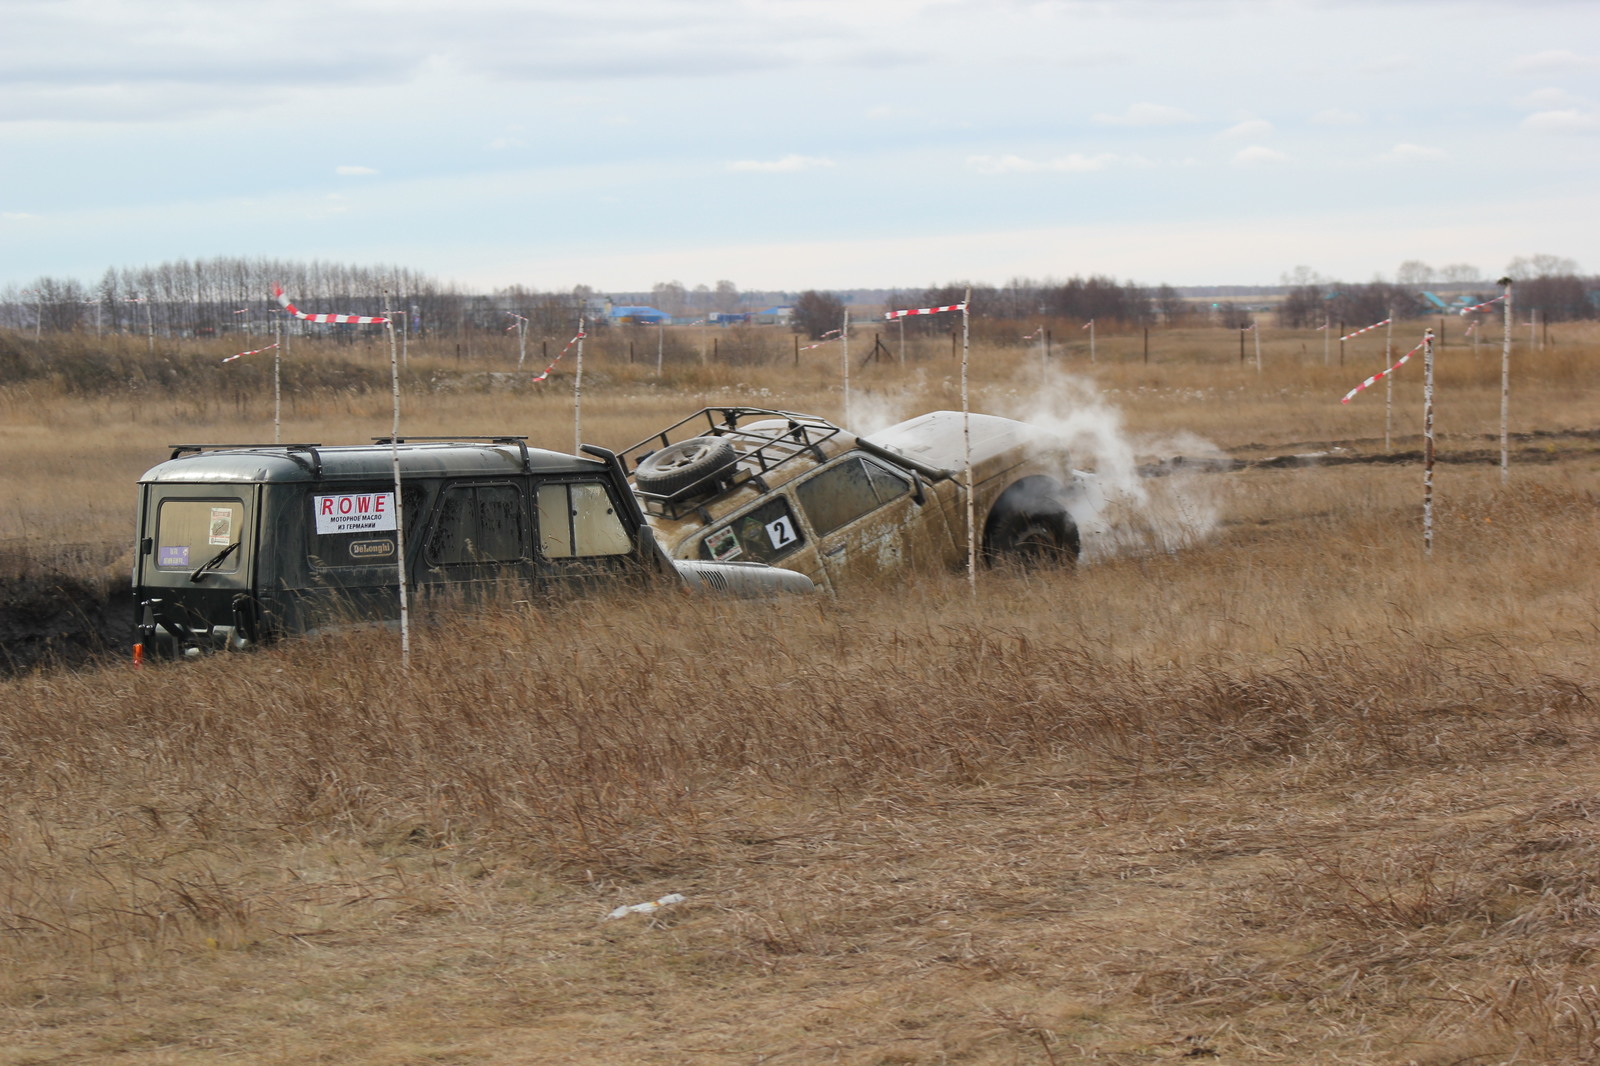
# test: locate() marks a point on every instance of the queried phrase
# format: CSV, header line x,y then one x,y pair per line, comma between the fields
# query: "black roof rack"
x,y
505,438
314,466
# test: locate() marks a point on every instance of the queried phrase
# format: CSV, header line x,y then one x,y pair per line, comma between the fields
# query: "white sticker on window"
x,y
781,532
221,526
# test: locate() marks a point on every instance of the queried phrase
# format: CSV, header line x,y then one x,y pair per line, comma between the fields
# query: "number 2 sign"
x,y
781,533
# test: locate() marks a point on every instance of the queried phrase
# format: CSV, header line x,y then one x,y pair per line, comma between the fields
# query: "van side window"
x,y
843,493
478,524
761,534
578,519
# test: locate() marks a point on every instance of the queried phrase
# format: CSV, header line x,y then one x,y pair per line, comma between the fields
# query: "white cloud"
x,y
1251,129
349,171
1549,99
1388,64
787,164
1412,153
1570,120
1554,60
1336,116
1073,164
1258,155
1147,115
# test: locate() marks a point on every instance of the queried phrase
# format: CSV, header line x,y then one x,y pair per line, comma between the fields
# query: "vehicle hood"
x,y
935,443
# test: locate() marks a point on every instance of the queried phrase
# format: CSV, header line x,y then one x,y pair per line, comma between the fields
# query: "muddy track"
x,y
1542,447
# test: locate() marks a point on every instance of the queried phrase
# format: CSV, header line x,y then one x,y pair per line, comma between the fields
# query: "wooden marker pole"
x,y
577,396
844,362
1505,390
966,443
1427,443
1388,381
399,505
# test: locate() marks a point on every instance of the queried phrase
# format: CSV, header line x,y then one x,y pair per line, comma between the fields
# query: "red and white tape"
x,y
1374,379
557,359
1034,334
514,325
1366,329
360,320
1482,306
924,311
1087,324
258,351
832,334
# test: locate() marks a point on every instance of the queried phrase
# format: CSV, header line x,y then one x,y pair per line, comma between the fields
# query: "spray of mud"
x,y
1138,514
1122,512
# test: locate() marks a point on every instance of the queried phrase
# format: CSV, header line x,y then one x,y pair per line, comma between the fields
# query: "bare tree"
x,y
1414,272
1524,267
816,313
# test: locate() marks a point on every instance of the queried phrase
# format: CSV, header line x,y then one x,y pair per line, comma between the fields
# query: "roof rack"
x,y
759,453
521,442
314,466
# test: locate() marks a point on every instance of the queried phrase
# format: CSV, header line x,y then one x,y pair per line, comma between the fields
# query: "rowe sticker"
x,y
354,512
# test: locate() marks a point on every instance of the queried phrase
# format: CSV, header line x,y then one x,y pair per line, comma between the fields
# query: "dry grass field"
x,y
1258,782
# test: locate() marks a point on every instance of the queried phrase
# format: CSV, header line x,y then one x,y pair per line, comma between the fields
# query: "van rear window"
x,y
190,533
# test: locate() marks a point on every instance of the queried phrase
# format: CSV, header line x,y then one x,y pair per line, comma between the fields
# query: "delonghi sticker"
x,y
354,512
221,526
371,549
173,555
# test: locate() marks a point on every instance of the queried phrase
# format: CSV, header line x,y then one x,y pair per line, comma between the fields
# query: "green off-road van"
x,y
239,545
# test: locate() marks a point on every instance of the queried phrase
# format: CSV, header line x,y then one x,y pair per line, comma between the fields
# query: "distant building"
x,y
639,315
773,316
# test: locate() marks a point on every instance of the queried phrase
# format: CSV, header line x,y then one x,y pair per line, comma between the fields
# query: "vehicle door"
x,y
198,552
585,535
768,532
480,540
868,519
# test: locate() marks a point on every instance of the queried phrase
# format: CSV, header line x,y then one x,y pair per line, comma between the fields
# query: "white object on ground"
x,y
646,908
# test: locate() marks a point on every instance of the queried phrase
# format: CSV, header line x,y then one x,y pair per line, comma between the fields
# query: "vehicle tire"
x,y
1032,539
678,467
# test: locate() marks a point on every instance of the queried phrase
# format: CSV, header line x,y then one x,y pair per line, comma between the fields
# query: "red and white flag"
x,y
924,311
364,320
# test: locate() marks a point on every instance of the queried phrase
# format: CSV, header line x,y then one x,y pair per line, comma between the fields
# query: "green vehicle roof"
x,y
296,462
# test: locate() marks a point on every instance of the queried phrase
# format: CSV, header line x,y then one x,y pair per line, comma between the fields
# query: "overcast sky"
x,y
792,144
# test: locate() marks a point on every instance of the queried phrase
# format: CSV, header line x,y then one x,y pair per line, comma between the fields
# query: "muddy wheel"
x,y
1031,539
678,467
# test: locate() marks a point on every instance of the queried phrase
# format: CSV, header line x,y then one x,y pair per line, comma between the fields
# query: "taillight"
x,y
138,655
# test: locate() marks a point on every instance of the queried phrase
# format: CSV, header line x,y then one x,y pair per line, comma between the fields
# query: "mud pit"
x,y
55,620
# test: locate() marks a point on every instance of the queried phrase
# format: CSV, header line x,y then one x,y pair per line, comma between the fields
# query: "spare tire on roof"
x,y
674,469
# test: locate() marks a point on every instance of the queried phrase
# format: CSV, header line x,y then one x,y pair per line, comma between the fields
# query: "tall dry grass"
x,y
1294,792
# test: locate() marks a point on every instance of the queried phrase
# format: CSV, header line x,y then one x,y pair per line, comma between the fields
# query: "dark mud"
x,y
59,621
